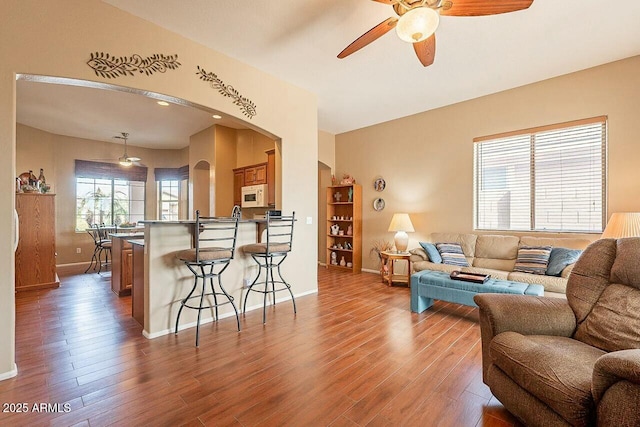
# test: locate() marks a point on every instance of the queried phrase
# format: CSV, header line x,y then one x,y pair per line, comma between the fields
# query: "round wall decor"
x,y
379,184
378,204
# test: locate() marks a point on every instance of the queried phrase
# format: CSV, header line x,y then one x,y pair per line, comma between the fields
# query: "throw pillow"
x,y
452,254
533,259
560,258
432,252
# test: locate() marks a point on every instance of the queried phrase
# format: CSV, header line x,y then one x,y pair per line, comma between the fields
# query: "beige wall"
x,y
252,147
202,157
45,38
56,154
427,159
327,149
226,153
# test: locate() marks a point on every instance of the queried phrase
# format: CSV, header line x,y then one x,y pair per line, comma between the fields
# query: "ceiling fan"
x,y
125,159
418,20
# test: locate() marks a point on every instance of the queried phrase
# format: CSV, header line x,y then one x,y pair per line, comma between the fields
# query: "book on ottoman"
x,y
470,277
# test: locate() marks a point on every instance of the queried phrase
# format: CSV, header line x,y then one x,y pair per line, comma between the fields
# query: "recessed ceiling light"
x,y
216,116
163,103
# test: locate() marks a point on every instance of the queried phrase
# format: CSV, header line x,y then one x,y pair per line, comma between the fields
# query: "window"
x,y
551,178
168,199
172,184
104,195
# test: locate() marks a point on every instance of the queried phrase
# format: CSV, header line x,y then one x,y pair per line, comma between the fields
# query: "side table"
x,y
387,268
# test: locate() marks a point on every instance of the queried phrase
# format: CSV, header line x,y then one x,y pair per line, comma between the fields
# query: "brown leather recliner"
x,y
570,362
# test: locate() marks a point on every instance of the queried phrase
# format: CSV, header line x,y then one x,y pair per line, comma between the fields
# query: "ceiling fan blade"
x,y
134,159
482,7
426,50
373,34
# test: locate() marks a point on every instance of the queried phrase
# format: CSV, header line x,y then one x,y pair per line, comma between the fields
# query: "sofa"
x,y
496,255
573,361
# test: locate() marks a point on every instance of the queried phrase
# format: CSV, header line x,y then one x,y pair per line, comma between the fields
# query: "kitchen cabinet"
x,y
35,258
255,174
122,263
271,177
238,183
344,227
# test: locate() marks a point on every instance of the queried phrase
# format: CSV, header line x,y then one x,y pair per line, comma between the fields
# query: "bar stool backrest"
x,y
105,230
94,232
223,231
279,232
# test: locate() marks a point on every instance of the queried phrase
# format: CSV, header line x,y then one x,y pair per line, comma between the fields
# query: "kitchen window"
x,y
551,178
109,194
172,185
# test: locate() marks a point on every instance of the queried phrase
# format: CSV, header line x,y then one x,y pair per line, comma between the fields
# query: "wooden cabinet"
x,y
121,264
35,259
344,227
238,183
255,174
271,177
137,287
261,173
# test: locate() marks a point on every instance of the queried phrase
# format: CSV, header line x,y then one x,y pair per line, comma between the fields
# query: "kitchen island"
x,y
121,269
167,280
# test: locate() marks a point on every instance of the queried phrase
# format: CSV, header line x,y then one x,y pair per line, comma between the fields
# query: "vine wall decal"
x,y
248,107
111,67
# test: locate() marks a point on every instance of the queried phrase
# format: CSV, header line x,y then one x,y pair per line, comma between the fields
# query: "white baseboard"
x,y
73,264
149,336
367,270
12,373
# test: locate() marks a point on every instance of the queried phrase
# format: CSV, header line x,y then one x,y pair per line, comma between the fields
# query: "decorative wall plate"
x,y
379,184
378,204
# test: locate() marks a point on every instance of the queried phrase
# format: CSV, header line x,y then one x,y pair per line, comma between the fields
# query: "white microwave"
x,y
255,196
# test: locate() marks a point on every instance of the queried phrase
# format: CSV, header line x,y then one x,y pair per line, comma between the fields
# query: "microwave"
x,y
255,196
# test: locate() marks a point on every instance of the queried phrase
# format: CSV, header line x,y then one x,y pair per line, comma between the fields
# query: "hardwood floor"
x,y
353,356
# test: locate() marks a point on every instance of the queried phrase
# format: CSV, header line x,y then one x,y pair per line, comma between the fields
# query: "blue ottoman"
x,y
427,285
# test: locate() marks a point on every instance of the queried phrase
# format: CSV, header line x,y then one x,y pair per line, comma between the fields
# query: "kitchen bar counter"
x,y
167,280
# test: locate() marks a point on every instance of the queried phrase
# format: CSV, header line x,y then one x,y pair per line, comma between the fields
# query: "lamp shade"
x,y
623,224
417,24
401,223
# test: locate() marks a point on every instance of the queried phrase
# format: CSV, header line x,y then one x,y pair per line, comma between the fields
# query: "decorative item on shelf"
x,y
333,180
343,263
349,230
45,188
350,195
334,229
349,264
401,224
339,246
348,246
18,185
378,204
347,179
41,178
334,258
379,184
622,224
337,196
341,233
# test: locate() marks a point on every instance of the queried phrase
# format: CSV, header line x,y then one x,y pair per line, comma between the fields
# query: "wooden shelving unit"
x,y
345,213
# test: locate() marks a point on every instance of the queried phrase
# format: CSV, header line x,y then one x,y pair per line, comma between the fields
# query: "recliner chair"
x,y
556,362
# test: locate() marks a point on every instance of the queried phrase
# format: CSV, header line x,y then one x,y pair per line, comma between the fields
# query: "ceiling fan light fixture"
x,y
125,161
417,24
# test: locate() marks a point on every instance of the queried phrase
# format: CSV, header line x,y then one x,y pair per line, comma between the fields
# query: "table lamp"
x,y
401,223
622,224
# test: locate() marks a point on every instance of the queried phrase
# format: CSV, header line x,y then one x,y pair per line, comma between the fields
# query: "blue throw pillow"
x,y
432,252
452,254
560,258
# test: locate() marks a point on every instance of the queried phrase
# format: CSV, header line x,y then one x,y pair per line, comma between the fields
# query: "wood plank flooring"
x,y
354,355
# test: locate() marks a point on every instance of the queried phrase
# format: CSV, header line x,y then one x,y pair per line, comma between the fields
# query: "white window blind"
x,y
551,178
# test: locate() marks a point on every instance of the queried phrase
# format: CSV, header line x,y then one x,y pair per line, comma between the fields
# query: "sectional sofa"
x,y
496,255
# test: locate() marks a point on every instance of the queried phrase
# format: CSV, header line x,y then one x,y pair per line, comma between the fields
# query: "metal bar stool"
x,y
209,262
105,244
269,255
95,235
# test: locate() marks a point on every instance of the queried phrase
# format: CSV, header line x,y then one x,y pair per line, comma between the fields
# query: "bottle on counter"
x,y
32,179
41,178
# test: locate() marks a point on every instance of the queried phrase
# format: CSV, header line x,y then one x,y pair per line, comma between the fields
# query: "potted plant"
x,y
378,247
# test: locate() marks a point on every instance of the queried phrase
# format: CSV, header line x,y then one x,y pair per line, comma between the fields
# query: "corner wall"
x,y
427,159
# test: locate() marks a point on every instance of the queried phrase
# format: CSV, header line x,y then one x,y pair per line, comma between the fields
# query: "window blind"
x,y
176,174
100,170
551,178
